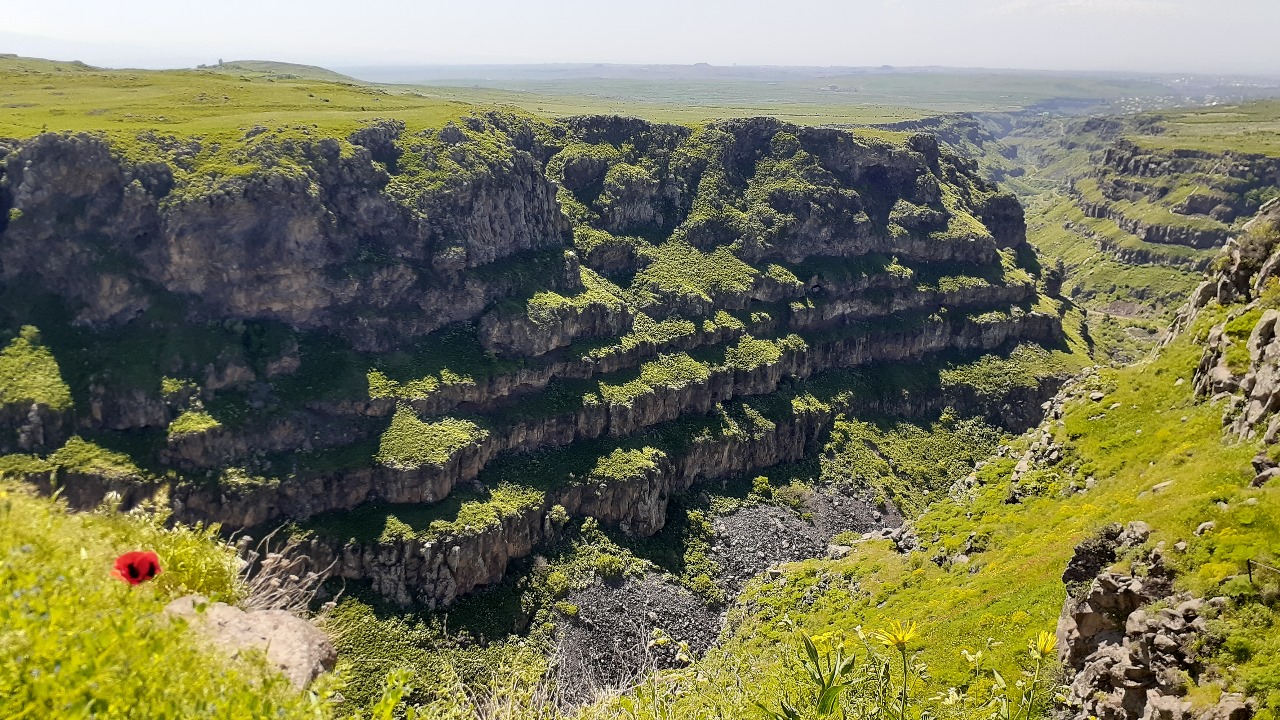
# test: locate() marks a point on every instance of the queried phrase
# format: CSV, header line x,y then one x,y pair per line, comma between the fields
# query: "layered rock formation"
x,y
354,331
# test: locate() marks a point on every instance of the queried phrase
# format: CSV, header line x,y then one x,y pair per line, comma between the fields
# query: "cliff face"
x,y
292,327
309,231
1241,362
304,496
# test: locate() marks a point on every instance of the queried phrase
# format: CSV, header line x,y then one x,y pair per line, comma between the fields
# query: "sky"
x,y
1201,36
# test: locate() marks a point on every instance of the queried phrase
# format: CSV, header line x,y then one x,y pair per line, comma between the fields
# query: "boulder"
x,y
298,648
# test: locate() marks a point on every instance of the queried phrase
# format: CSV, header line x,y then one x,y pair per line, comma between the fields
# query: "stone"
x,y
1135,533
1205,527
1265,477
1097,396
1231,706
1262,462
1136,624
835,552
1164,643
1165,707
299,649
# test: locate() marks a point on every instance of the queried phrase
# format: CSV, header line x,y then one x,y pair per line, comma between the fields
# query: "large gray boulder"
x,y
298,648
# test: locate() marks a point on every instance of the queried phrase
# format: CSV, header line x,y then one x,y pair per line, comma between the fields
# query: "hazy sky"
x,y
1149,35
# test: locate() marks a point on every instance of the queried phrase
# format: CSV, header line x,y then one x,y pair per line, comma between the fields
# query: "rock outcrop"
x,y
1246,379
1133,664
1127,660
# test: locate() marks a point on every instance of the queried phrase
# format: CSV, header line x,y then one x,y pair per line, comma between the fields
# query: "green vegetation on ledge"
x,y
411,443
192,422
29,373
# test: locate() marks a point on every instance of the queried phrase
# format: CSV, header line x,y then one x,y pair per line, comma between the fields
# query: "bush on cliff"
x,y
29,373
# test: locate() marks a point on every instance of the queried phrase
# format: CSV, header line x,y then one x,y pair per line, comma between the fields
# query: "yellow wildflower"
x,y
897,635
1044,645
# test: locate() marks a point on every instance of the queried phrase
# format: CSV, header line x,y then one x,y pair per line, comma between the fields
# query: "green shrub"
x,y
410,443
610,567
29,373
751,353
622,465
558,583
793,495
173,387
761,486
558,516
192,422
381,386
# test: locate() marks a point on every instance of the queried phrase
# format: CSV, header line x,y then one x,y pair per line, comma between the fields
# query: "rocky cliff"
x,y
1241,362
464,326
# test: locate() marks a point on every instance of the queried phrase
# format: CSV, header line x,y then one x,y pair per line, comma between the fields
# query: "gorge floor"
x,y
614,631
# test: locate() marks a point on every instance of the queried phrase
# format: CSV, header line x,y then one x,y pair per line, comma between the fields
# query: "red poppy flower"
x,y
137,567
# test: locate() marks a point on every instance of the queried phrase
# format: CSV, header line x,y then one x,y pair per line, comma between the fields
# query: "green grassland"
x,y
37,95
216,100
222,103
1251,128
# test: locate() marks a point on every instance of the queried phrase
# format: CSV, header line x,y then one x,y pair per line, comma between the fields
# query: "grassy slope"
x,y
1096,278
282,71
79,643
72,96
1012,590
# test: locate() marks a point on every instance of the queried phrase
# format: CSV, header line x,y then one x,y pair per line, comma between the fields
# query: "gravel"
x,y
608,645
